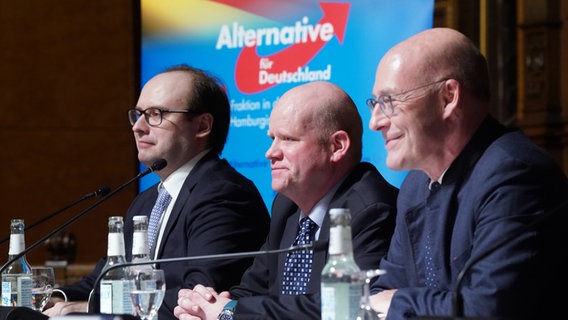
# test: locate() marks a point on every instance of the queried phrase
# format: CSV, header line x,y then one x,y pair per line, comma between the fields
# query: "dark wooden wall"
x,y
69,70
526,45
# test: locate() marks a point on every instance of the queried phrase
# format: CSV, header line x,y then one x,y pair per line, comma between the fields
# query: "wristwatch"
x,y
228,311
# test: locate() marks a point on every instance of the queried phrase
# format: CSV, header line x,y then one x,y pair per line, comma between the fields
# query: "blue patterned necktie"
x,y
431,275
298,266
160,206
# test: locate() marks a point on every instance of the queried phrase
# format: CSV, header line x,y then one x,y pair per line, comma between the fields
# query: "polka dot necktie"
x,y
298,266
431,280
431,277
160,206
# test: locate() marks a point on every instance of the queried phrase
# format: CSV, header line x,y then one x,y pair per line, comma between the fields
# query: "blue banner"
x,y
261,48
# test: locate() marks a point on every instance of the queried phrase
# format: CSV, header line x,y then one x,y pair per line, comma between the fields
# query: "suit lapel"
x,y
192,179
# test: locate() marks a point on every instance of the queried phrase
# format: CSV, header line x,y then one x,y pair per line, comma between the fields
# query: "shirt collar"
x,y
318,212
439,181
174,181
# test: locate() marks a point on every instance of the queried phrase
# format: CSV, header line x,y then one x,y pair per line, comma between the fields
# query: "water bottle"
x,y
341,285
114,286
17,277
140,247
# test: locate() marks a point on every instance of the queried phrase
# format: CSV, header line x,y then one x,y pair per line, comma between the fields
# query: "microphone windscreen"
x,y
159,165
102,191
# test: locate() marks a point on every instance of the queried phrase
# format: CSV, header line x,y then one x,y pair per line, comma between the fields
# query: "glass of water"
x,y
365,311
147,290
43,281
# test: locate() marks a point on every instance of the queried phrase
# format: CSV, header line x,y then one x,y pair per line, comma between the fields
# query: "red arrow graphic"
x,y
289,59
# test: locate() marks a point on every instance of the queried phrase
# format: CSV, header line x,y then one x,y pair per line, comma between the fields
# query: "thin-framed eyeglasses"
x,y
152,115
385,101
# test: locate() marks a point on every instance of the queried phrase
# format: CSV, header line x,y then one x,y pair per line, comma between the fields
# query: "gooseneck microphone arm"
x,y
316,246
100,192
157,165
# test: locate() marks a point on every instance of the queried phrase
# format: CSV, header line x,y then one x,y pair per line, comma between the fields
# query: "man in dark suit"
x,y
182,116
316,165
475,190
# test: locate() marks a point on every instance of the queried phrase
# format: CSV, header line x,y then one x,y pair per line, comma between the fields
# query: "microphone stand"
x,y
102,191
158,165
316,246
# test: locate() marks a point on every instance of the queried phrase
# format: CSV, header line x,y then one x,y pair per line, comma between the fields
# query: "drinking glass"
x,y
43,281
365,311
147,292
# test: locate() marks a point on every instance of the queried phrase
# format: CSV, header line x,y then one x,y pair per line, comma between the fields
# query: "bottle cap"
x,y
140,218
337,211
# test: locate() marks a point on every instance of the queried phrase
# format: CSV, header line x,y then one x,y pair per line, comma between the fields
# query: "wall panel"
x,y
69,70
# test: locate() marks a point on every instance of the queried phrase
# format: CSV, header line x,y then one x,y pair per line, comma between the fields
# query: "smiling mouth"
x,y
390,141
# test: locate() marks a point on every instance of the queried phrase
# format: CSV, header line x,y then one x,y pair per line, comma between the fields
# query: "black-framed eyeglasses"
x,y
385,101
152,115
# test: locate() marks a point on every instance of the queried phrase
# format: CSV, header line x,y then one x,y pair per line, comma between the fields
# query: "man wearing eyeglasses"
x,y
481,215
182,116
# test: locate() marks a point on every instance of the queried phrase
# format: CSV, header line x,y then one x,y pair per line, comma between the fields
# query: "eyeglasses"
x,y
152,115
385,101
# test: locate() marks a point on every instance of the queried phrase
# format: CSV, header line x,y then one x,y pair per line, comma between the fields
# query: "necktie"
x,y
431,280
160,206
298,266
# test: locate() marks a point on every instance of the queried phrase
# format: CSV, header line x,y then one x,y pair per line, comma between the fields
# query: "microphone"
x,y
100,192
316,246
156,166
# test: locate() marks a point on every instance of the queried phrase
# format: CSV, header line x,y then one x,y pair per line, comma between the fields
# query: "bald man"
x,y
315,157
471,184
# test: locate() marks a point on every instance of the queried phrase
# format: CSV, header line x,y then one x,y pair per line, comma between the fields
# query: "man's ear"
x,y
205,124
340,144
451,96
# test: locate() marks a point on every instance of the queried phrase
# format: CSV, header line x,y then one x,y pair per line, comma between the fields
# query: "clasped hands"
x,y
201,302
204,303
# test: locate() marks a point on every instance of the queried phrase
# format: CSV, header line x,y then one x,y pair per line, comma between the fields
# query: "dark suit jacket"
x,y
371,200
500,183
217,211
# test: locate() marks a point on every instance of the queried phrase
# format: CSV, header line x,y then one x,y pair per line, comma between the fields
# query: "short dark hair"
x,y
208,95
